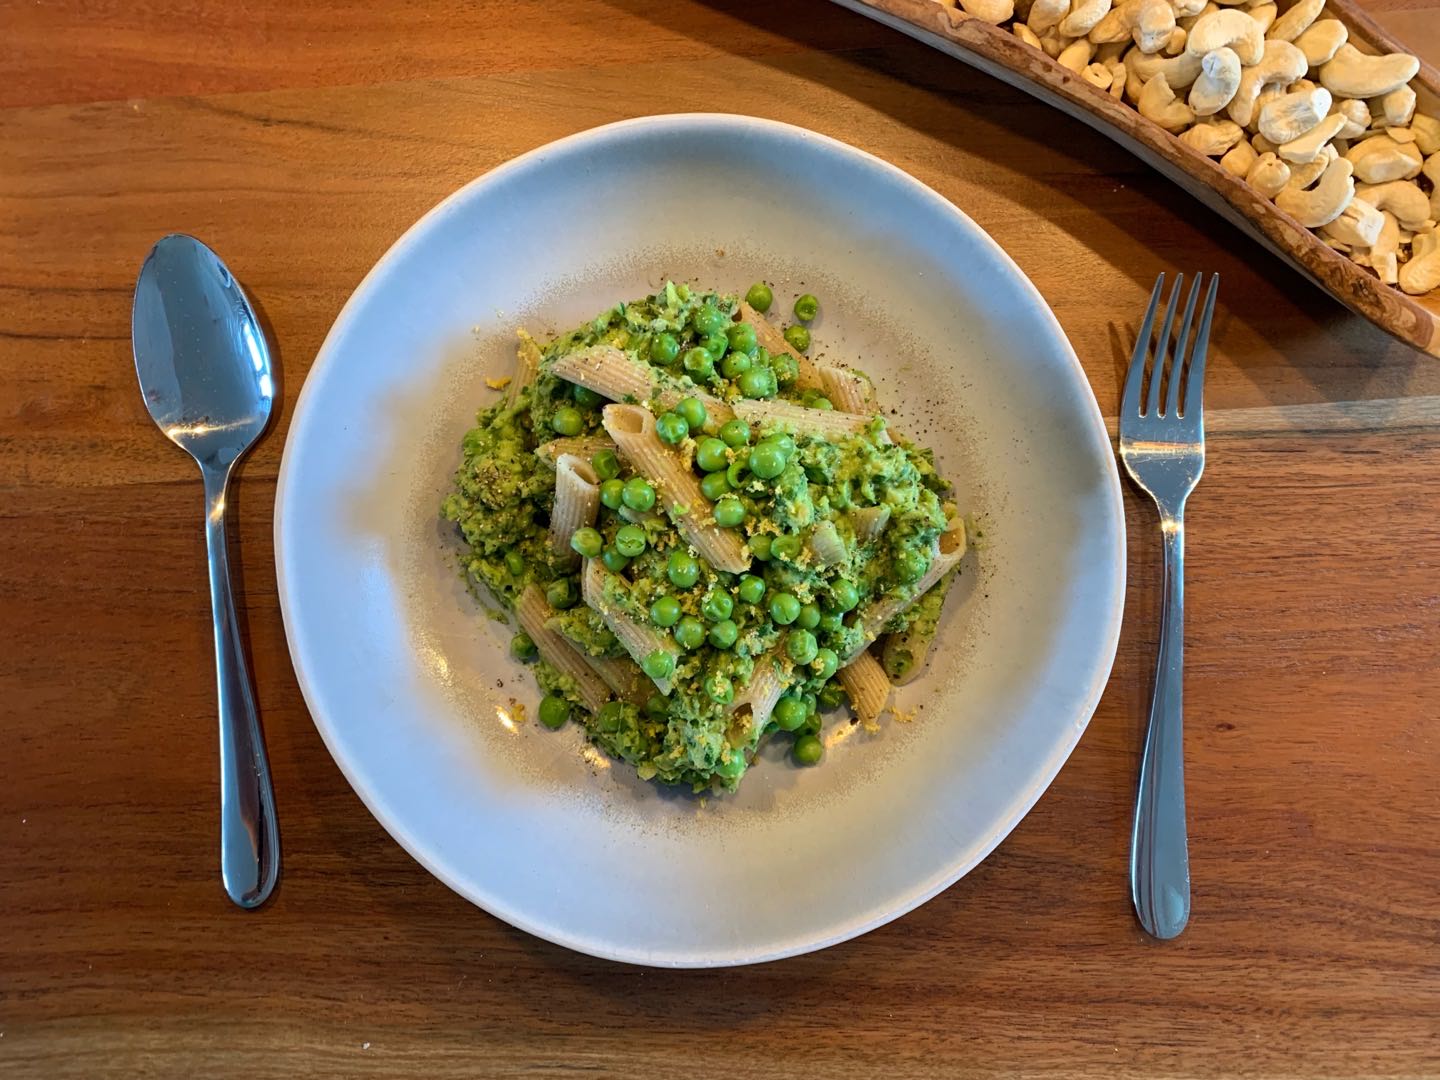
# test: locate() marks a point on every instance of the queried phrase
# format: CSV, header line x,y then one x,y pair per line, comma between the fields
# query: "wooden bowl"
x,y
1415,320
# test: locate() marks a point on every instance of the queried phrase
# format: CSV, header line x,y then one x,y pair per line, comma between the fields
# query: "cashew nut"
x,y
1263,145
1309,145
1295,21
1358,225
1152,25
1084,14
1302,175
1239,159
1351,73
1400,134
1218,80
1402,198
1159,104
1382,255
1052,43
1357,117
1427,133
1381,159
990,11
1115,25
1298,85
1268,175
1186,8
1431,172
1321,39
1117,78
1076,55
1046,14
1189,21
1282,63
1175,43
1398,106
1213,138
1025,34
1097,75
1422,272
1292,115
1179,71
1324,202
1230,28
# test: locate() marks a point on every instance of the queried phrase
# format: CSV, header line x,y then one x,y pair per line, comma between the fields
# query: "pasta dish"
x,y
703,535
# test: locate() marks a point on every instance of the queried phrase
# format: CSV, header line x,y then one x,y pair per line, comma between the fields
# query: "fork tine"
x,y
1130,400
1162,347
1195,382
1182,349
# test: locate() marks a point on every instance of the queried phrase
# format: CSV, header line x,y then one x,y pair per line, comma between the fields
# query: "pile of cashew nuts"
x,y
1329,133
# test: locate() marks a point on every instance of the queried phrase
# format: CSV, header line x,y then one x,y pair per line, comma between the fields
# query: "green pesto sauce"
x,y
504,493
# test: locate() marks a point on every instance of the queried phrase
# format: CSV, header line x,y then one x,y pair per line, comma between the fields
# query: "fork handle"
x,y
1159,856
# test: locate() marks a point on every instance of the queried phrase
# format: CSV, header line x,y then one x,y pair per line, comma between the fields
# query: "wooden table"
x,y
301,140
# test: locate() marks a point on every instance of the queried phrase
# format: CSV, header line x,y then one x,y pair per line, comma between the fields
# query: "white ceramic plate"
x,y
411,687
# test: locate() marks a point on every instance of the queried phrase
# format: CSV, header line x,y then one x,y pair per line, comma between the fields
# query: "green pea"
x,y
784,441
683,570
800,646
717,605
768,461
831,622
843,595
610,716
709,320
711,455
811,704
560,594
831,696
693,410
713,485
665,611
699,364
613,560
760,297
554,711
656,707
630,541
784,608
735,433
758,382
824,404
724,633
828,663
742,338
515,563
567,421
751,589
729,512
789,712
522,647
638,494
797,337
658,664
806,308
808,750
606,464
785,368
664,349
735,474
689,633
715,345
786,547
734,365
587,542
809,617
733,767
671,427
721,690
611,493
585,397
760,546
910,565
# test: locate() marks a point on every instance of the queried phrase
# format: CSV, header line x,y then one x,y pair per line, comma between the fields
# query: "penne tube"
x,y
869,522
611,374
534,614
585,446
827,545
770,336
639,640
577,501
865,682
949,550
755,706
527,366
824,423
633,429
903,655
849,391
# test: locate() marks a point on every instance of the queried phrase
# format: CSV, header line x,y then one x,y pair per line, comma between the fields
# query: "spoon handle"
x,y
249,836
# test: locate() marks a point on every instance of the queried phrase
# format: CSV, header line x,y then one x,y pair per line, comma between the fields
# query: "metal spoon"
x,y
204,368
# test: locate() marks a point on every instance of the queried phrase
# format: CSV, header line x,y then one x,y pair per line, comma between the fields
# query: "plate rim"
x,y
864,922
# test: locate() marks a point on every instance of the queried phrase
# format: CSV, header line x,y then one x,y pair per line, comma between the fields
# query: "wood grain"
x,y
1312,645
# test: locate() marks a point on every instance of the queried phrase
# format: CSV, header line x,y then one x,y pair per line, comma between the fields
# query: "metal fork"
x,y
1164,451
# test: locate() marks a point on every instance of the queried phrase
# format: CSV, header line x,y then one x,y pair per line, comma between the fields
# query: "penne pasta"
x,y
849,391
865,682
639,640
527,366
869,522
949,550
585,446
611,374
754,707
903,655
534,613
770,336
823,423
633,429
827,545
577,501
